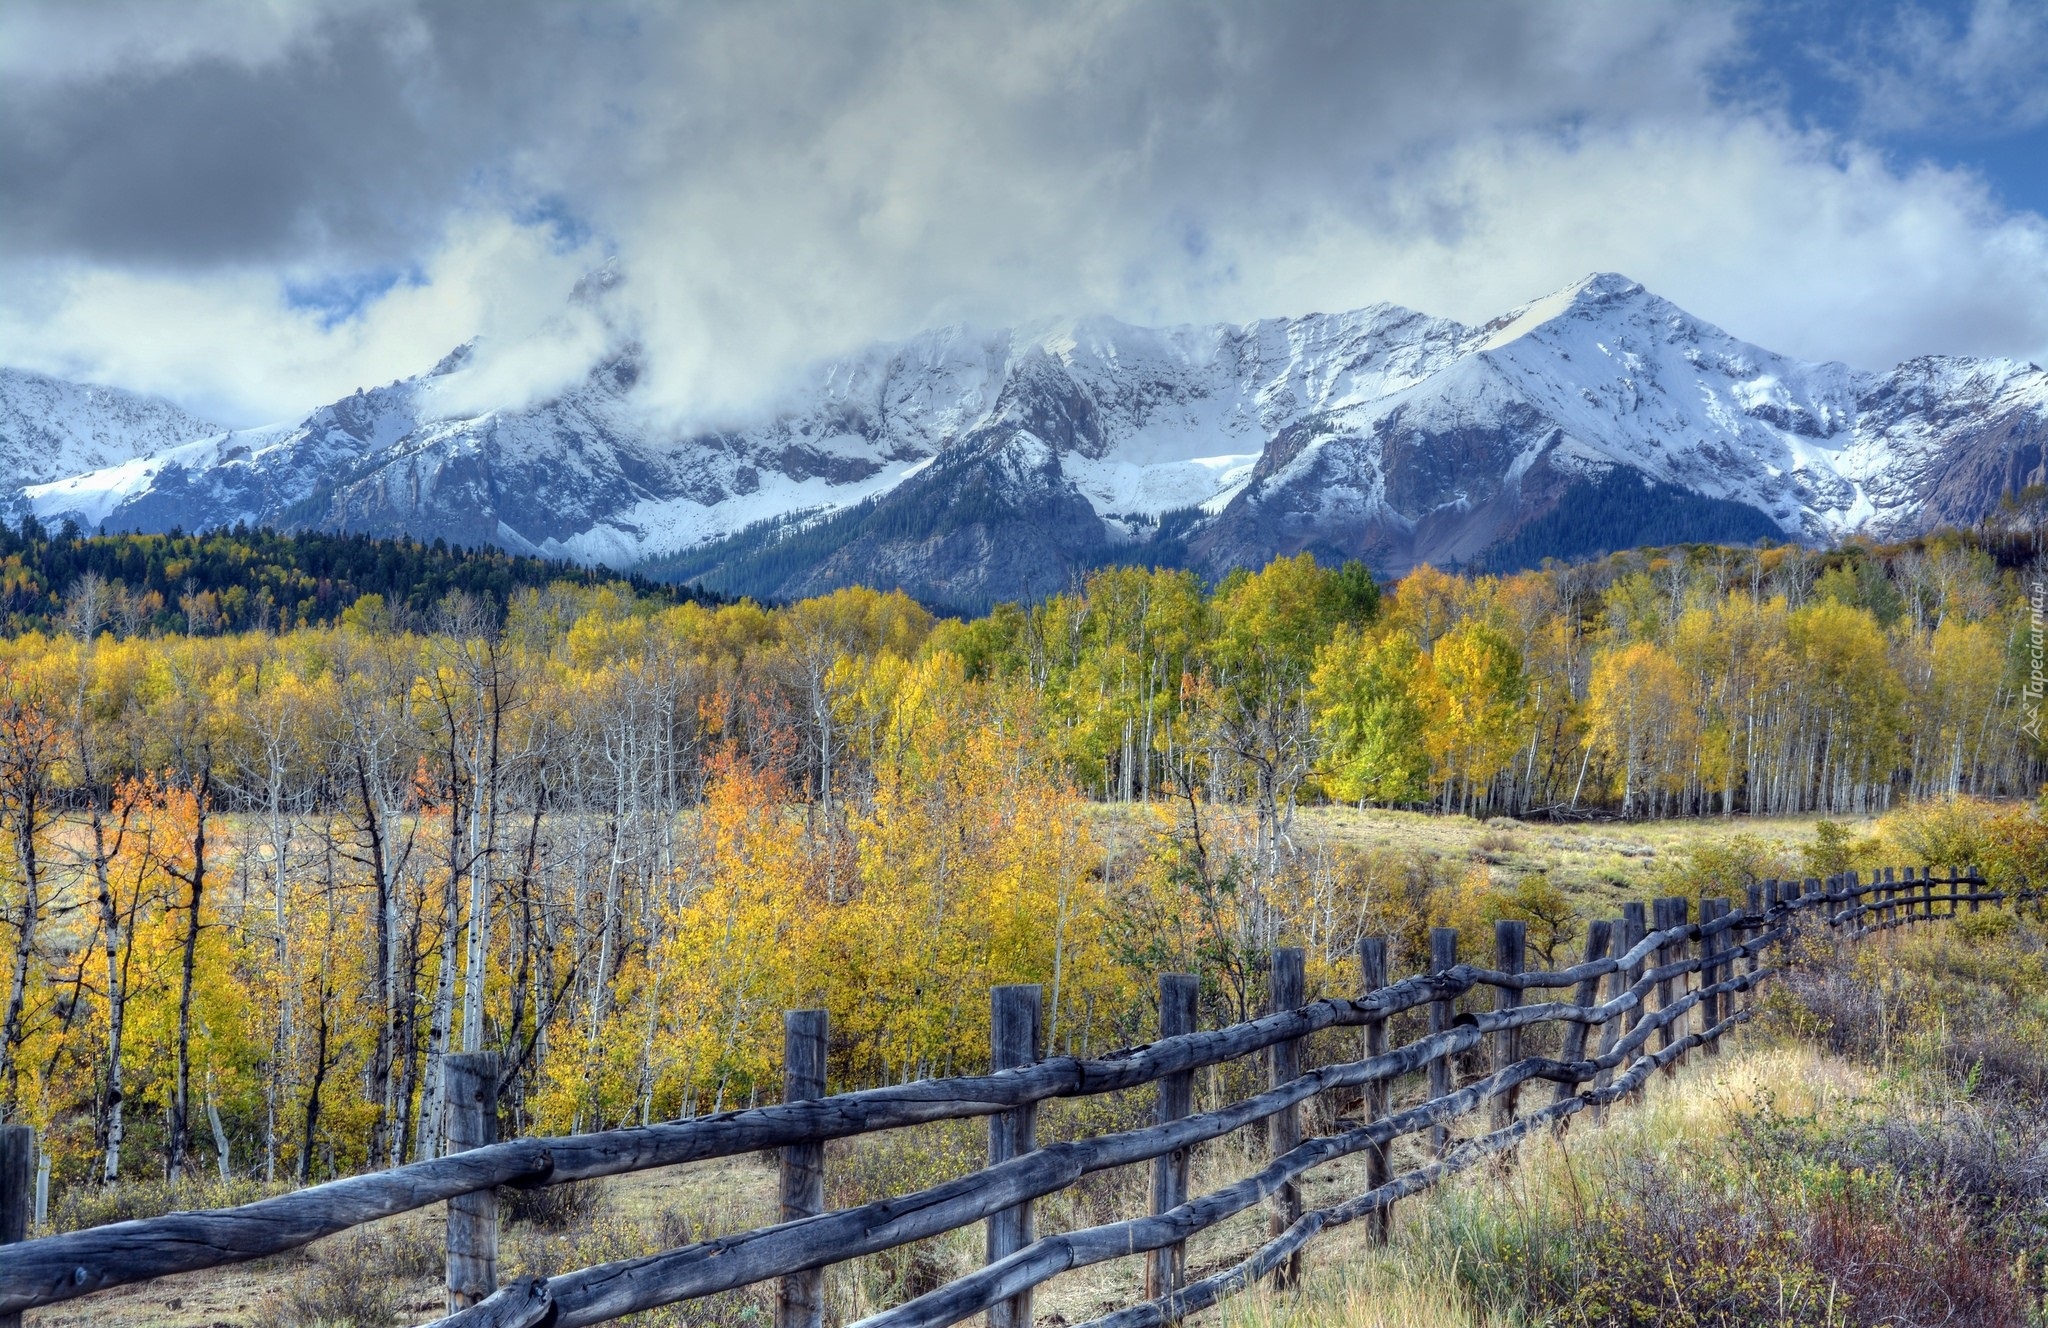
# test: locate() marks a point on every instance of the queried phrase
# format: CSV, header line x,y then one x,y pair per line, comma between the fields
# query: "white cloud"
x,y
1793,241
1921,71
785,181
230,346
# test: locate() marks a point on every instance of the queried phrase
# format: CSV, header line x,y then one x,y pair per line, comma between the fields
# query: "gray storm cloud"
x,y
355,133
783,181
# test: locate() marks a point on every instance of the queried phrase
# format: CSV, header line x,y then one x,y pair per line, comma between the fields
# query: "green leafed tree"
x,y
1369,697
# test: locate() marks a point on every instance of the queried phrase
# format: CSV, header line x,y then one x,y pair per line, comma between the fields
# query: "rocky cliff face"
x,y
970,466
50,428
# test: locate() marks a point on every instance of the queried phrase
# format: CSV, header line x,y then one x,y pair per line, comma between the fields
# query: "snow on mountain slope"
x,y
1605,376
972,464
51,428
255,475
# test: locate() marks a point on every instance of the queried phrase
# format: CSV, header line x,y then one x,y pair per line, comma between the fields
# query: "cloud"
x,y
1921,69
1790,240
347,133
90,40
229,345
220,217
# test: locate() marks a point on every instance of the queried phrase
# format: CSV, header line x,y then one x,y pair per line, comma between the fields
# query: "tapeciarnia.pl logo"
x,y
2037,677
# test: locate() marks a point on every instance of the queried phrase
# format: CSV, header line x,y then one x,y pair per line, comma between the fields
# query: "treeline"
x,y
261,580
1681,682
254,885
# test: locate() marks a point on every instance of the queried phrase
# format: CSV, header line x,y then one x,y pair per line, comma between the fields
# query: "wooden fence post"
x,y
1617,983
17,1168
470,1091
1671,911
1747,933
800,1297
1716,1007
1973,874
1283,1128
1955,886
1635,925
1014,1014
1598,934
1372,975
1166,1268
1510,943
1443,956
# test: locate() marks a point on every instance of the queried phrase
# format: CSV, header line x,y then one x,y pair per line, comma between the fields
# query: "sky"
x,y
257,206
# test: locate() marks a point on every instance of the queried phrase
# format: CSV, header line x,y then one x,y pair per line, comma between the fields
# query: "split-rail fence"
x,y
1656,986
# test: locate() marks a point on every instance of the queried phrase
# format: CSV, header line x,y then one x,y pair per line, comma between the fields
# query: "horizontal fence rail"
x,y
1653,993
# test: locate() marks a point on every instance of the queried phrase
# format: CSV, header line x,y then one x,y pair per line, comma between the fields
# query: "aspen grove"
x,y
257,884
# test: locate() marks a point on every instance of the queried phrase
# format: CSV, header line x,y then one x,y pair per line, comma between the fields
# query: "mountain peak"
x,y
1600,287
976,464
1590,298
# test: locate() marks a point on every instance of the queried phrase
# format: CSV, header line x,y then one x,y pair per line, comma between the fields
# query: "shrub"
x,y
551,1207
88,1205
355,1281
1709,868
1552,921
1835,849
1661,1249
1496,844
1983,1163
1909,1263
876,1166
1724,1243
1946,832
2015,854
608,1236
329,1296
1983,928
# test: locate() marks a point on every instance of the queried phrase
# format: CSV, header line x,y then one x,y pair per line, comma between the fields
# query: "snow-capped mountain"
x,y
51,428
969,466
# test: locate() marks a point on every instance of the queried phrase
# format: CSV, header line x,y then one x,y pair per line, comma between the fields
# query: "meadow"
x,y
1868,1151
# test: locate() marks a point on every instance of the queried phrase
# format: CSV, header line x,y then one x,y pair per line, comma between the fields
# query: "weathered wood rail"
x,y
1655,995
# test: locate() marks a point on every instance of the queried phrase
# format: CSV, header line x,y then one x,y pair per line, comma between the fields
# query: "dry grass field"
x,y
1807,1064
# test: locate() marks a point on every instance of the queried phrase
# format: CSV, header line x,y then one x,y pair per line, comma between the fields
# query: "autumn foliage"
x,y
254,886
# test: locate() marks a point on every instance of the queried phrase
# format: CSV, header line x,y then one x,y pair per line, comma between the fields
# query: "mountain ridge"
x,y
53,427
971,465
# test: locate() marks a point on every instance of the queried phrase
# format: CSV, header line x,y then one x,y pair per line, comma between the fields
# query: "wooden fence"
x,y
1655,988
